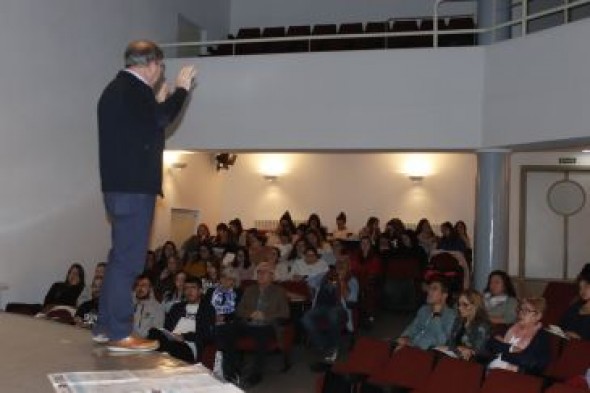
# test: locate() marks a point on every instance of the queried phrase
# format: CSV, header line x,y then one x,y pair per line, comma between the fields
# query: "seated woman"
x,y
310,266
576,320
471,330
450,241
366,266
211,279
165,282
242,265
426,237
500,298
65,293
197,266
176,295
525,346
257,249
371,230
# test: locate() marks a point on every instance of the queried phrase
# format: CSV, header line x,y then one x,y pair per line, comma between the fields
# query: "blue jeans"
x,y
131,217
323,325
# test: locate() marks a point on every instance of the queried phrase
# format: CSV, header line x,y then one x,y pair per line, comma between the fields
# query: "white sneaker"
x,y
100,338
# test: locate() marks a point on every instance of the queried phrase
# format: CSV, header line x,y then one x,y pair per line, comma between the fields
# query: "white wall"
x,y
362,185
58,56
391,100
537,87
518,160
253,13
198,186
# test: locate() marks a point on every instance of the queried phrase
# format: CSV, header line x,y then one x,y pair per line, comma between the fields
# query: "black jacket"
x,y
205,322
131,125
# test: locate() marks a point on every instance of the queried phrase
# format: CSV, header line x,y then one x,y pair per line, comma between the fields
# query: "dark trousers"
x,y
323,325
228,338
131,218
177,349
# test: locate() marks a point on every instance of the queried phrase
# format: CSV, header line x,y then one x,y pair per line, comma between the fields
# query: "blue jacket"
x,y
428,331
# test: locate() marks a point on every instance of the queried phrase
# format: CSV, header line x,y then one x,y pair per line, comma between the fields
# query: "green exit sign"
x,y
567,160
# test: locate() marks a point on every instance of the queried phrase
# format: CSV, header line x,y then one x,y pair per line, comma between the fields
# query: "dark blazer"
x,y
131,125
274,304
205,323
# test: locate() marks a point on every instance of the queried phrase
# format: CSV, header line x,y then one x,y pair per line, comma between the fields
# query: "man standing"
x,y
131,124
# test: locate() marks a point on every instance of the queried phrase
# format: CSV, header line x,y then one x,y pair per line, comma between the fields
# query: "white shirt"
x,y
302,268
187,323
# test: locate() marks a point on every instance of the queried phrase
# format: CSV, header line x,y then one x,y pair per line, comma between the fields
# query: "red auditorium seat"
x,y
407,368
453,376
559,296
574,360
367,356
285,346
500,381
563,388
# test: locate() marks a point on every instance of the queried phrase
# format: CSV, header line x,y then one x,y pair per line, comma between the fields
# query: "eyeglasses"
x,y
525,310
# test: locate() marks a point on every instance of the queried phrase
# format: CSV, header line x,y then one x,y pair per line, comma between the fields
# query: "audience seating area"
x,y
341,44
418,371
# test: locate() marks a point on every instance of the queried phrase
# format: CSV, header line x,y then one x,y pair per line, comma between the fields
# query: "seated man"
x,y
189,325
87,313
434,321
260,312
336,292
311,265
149,313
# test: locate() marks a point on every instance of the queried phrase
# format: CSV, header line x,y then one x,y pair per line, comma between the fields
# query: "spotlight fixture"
x,y
225,160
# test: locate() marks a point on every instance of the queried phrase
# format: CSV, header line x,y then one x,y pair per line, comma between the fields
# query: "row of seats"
x,y
419,371
397,26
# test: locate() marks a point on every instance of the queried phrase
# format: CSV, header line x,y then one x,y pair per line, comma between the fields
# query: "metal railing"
x,y
436,33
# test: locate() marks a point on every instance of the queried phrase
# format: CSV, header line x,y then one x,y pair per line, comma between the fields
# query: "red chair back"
x,y
559,296
563,388
454,375
368,355
407,368
574,360
403,269
498,381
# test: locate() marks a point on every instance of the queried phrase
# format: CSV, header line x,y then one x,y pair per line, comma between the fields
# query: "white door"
x,y
183,224
556,223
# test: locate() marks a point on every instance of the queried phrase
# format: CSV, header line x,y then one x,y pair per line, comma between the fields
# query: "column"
x,y
490,12
491,214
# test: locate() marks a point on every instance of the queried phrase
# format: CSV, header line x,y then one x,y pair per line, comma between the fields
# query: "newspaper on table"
x,y
189,379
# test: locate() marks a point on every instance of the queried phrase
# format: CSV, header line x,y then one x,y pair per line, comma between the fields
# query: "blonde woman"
x,y
471,330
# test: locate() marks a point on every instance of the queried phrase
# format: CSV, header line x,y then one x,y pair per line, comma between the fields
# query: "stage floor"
x,y
32,348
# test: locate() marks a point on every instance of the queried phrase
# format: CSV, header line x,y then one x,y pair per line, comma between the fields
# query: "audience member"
x,y
409,247
242,265
66,293
367,268
471,330
86,294
211,279
261,310
165,281
224,300
149,313
176,295
525,346
315,224
500,298
371,230
87,312
151,268
257,250
315,239
222,240
237,235
197,267
576,320
168,250
335,294
450,241
284,244
189,325
426,237
341,232
310,266
434,321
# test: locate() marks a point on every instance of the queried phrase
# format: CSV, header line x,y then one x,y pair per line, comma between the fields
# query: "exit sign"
x,y
567,160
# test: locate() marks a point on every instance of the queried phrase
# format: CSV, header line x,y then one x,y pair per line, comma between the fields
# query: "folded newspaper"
x,y
189,379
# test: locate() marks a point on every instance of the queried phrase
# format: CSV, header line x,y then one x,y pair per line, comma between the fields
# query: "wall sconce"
x,y
416,178
270,178
172,159
178,165
417,167
272,166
